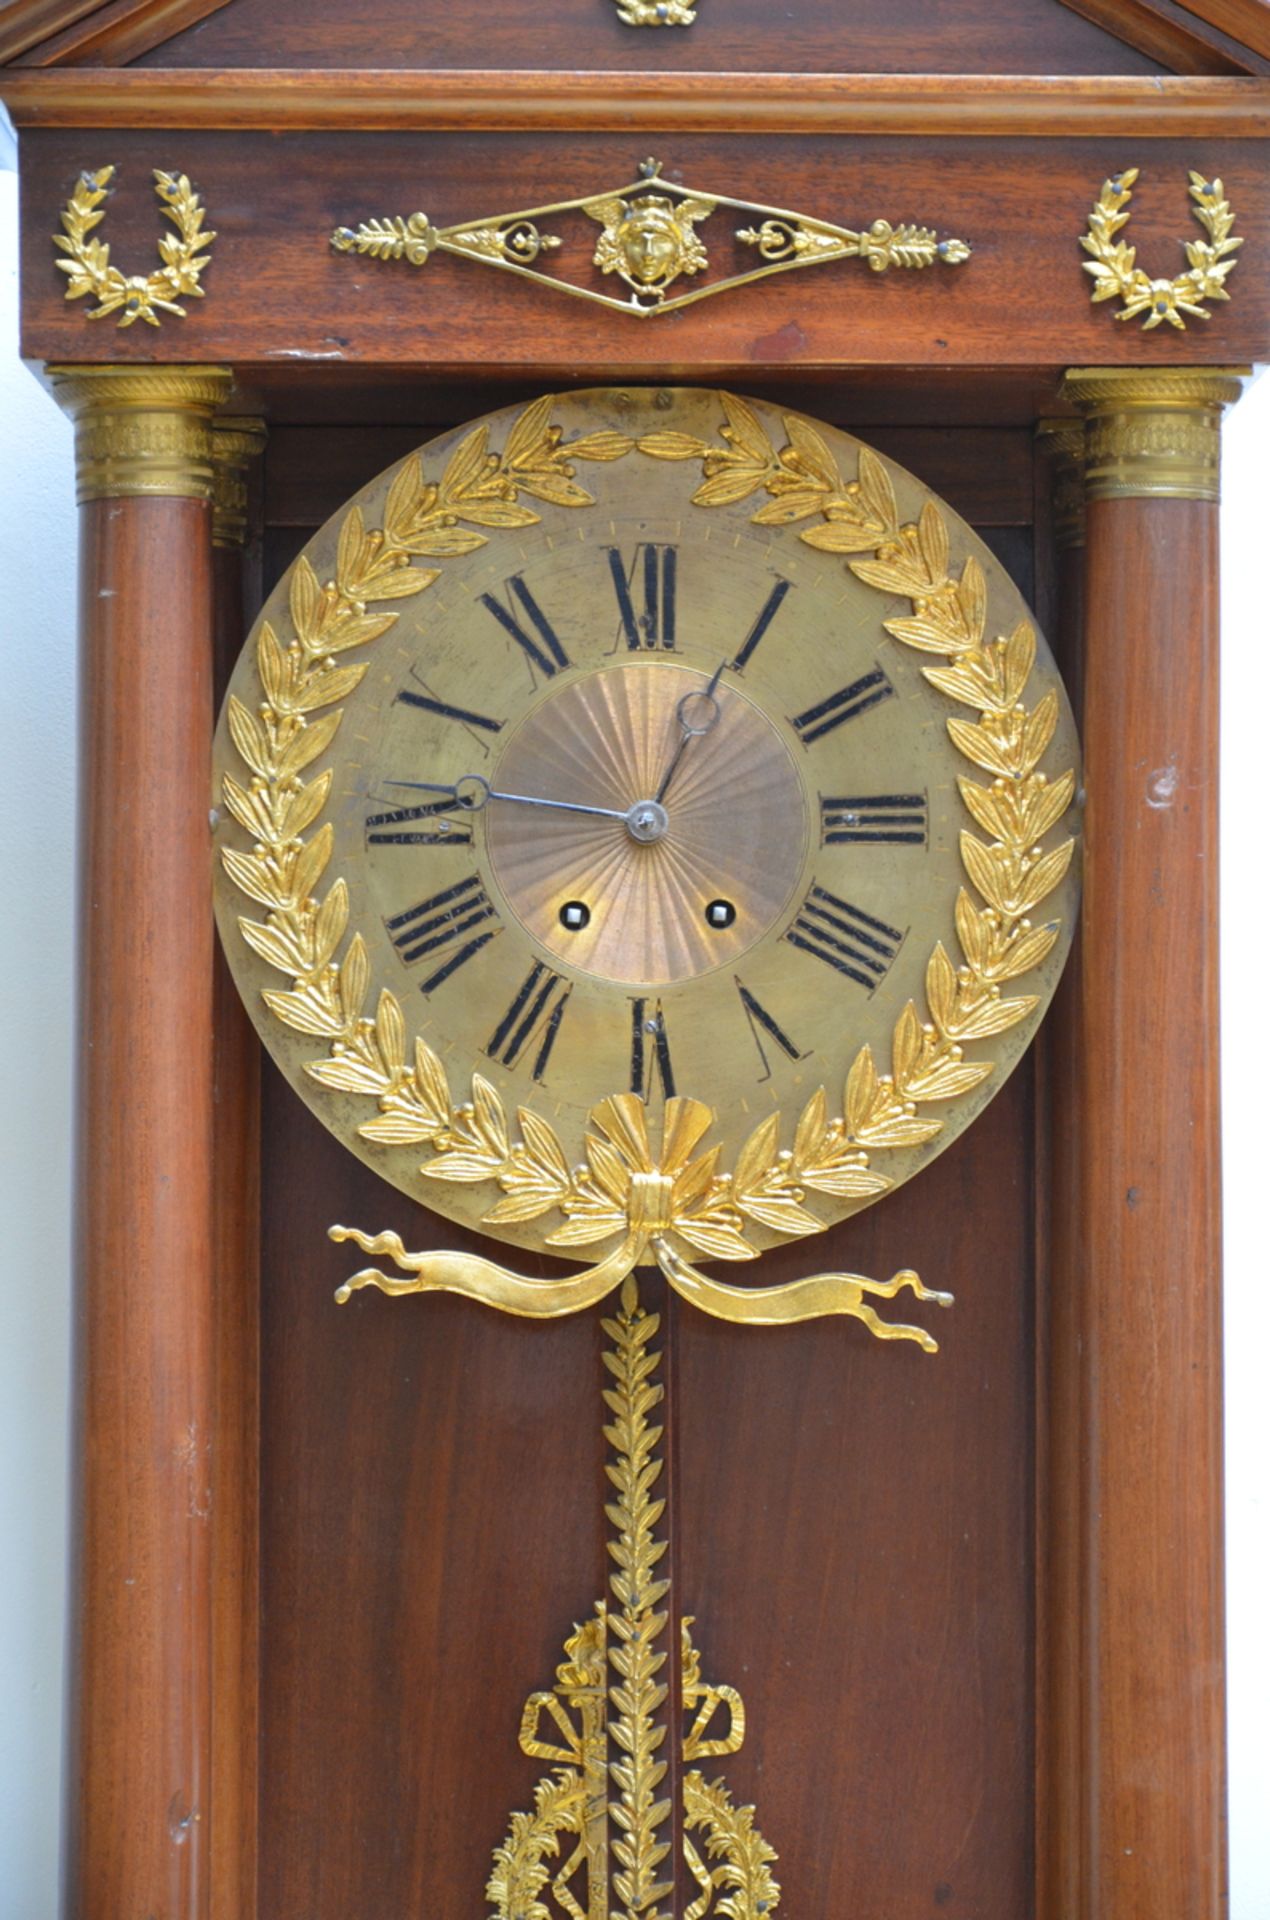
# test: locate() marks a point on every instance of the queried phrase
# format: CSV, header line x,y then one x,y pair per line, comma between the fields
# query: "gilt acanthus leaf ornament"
x,y
649,241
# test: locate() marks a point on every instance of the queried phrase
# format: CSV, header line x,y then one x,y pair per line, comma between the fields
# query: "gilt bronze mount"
x,y
649,241
1113,263
184,254
596,1843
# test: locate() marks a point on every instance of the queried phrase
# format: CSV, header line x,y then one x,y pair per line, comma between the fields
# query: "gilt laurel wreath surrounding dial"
x,y
848,1137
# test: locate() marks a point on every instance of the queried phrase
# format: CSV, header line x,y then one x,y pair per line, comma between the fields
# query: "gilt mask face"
x,y
651,241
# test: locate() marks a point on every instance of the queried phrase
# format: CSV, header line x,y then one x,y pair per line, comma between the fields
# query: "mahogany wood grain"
x,y
1172,34
22,27
432,1528
1058,1357
856,1541
140,1763
118,32
277,292
1246,20
876,36
1167,107
1147,1449
861,398
236,1517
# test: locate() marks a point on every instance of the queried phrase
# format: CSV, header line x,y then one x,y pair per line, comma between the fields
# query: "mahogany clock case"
x,y
852,1527
972,1600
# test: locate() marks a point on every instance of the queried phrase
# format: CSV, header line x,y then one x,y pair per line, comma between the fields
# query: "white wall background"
x,y
37,780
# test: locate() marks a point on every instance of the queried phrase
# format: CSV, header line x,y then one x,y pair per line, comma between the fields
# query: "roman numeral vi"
x,y
650,1050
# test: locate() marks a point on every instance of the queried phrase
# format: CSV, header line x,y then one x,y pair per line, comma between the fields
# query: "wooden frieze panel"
x,y
278,292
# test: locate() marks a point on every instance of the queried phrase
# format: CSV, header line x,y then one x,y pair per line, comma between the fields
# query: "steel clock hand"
x,y
483,793
688,729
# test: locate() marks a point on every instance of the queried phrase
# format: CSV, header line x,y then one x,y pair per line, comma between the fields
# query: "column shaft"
x,y
1149,1718
139,1757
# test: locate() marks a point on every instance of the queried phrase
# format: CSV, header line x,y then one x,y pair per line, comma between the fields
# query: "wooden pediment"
x,y
991,37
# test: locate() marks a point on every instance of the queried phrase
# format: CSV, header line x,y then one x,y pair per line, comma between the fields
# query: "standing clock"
x,y
646,831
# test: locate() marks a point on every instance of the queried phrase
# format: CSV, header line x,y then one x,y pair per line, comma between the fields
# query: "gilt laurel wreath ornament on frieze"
x,y
1113,263
138,296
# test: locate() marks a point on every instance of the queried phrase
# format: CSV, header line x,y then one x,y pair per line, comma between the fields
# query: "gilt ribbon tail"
x,y
810,1299
477,1279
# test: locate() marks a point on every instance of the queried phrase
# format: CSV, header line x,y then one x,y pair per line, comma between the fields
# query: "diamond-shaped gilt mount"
x,y
650,241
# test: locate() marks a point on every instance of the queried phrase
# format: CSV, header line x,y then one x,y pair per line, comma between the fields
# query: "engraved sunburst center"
x,y
729,831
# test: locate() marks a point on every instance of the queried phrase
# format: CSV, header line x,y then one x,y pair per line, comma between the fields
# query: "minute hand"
x,y
687,731
518,799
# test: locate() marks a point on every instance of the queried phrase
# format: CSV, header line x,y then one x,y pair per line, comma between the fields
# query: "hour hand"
x,y
469,791
474,793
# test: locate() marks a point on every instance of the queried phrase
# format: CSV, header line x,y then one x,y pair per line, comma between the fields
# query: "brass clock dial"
x,y
631,744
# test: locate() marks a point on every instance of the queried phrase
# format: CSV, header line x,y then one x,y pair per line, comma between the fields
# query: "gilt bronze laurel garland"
x,y
669,1200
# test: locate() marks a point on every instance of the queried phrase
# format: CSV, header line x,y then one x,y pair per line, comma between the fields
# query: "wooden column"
x,y
1145,1654
237,444
139,1754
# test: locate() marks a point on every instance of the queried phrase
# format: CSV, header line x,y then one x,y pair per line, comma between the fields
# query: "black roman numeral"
x,y
427,826
847,704
761,1022
438,928
650,1050
541,648
875,819
651,581
767,613
464,715
535,1013
844,937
